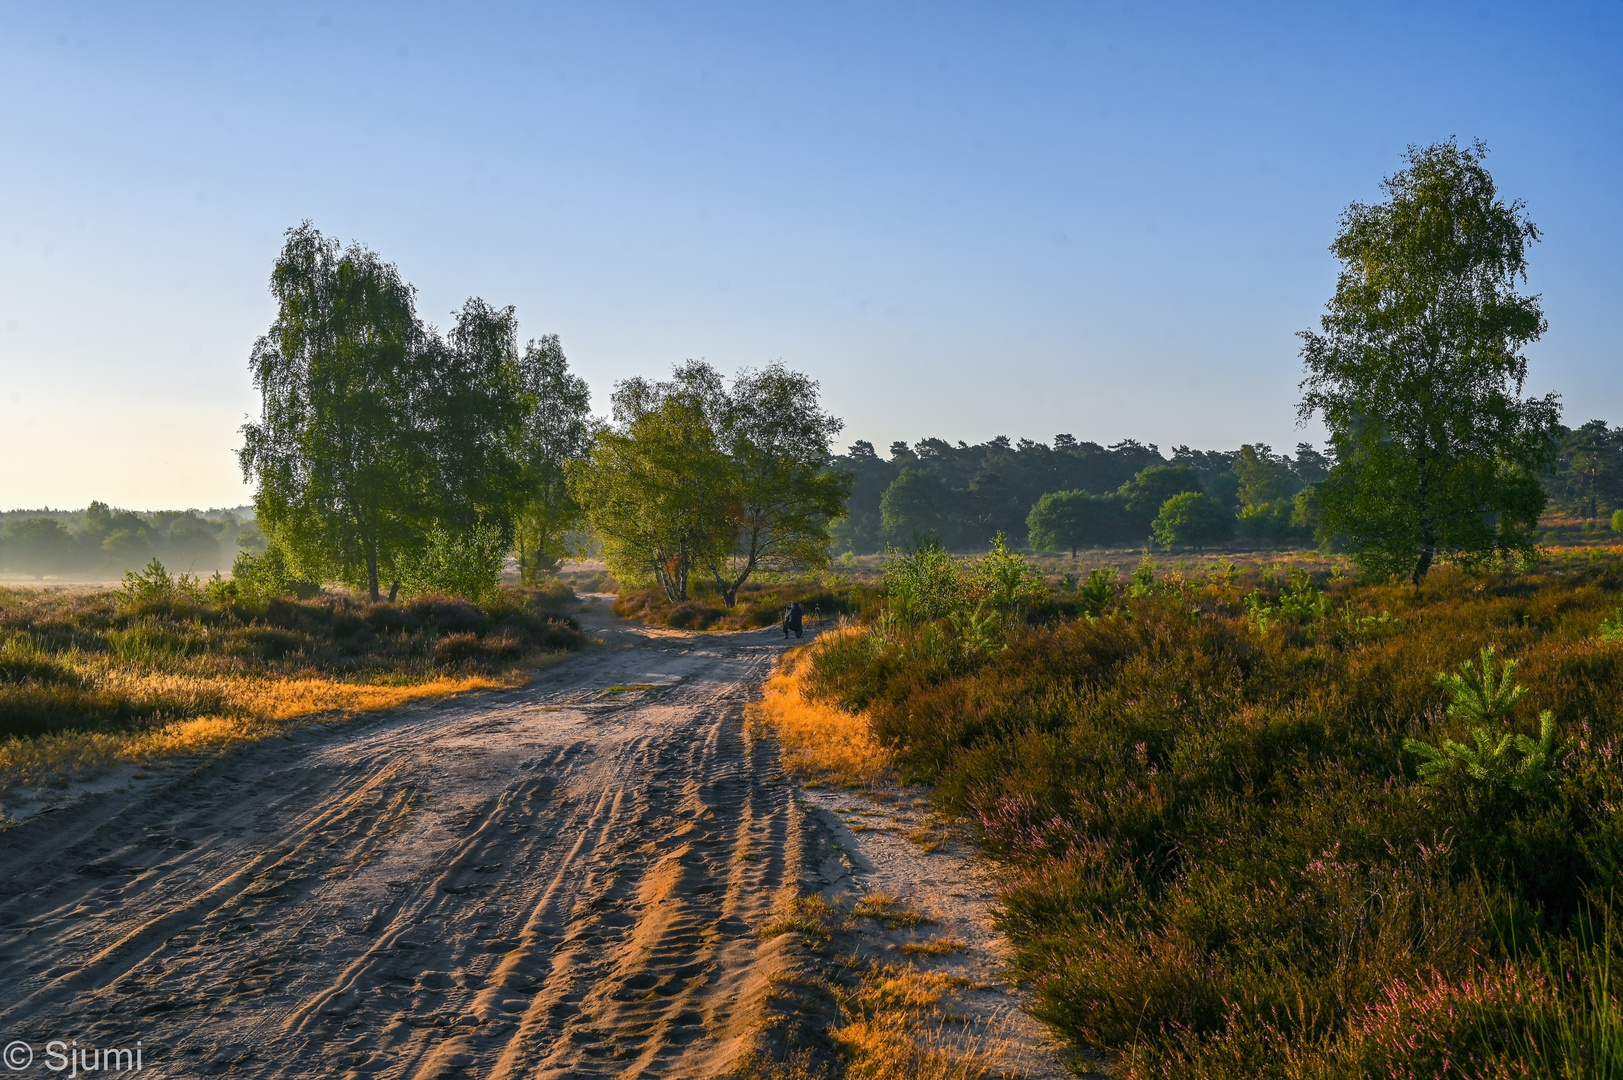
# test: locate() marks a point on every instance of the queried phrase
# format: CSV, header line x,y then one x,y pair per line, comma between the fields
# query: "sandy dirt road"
x,y
555,881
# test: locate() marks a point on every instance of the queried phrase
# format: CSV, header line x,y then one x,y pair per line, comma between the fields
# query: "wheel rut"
x,y
558,881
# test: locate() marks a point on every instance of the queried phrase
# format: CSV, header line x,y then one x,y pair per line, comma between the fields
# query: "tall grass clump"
x,y
1281,825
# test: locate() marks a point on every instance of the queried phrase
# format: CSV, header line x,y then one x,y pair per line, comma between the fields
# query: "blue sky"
x,y
965,220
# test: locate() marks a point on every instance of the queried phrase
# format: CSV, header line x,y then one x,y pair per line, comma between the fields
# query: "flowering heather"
x,y
1219,855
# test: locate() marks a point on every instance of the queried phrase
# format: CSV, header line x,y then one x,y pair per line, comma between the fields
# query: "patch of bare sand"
x,y
909,900
563,880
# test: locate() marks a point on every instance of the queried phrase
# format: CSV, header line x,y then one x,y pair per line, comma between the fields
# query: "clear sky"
x,y
964,219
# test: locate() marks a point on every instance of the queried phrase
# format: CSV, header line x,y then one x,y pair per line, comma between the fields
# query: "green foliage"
x,y
1612,629
924,583
697,474
1302,600
1588,473
1005,579
268,573
156,583
1213,863
1264,478
1617,520
1062,520
556,431
1418,372
337,451
1483,695
467,564
917,503
1098,593
375,430
655,489
1144,495
1195,519
1142,583
1499,760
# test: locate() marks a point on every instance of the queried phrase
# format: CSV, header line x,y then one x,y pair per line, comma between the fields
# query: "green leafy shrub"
x,y
924,583
267,574
466,564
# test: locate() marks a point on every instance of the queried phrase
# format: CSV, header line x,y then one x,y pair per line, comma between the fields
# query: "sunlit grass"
x,y
91,680
818,740
247,709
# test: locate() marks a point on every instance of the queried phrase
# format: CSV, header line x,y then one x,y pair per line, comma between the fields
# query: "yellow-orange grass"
x,y
817,740
893,1029
245,708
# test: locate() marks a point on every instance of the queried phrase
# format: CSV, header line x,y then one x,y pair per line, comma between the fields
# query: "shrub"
x,y
446,614
466,564
269,574
924,583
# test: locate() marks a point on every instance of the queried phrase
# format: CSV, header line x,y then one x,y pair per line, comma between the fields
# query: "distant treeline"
x,y
103,541
964,495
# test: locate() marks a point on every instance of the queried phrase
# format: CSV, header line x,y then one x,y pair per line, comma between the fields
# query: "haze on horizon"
x,y
964,221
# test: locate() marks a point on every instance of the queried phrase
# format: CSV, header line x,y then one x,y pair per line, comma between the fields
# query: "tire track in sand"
x,y
558,881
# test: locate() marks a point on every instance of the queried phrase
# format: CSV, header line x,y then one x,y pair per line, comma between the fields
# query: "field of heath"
x,y
1268,821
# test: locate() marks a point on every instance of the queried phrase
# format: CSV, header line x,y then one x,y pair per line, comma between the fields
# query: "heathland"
x,y
1267,821
1347,813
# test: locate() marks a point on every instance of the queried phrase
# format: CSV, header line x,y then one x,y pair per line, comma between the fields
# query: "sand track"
x,y
557,881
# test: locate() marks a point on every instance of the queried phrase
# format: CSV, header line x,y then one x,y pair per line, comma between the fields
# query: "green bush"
x,y
924,583
466,564
1193,519
267,574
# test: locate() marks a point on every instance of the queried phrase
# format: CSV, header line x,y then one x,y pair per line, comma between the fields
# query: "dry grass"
x,y
888,910
940,946
818,741
893,1026
92,679
891,1022
250,709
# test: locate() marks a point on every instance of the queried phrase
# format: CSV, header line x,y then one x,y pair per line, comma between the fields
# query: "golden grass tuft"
x,y
939,946
241,708
812,915
818,741
882,1049
894,1028
888,910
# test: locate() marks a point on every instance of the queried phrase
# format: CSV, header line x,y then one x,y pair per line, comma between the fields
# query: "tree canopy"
x,y
383,449
697,474
1068,520
1193,518
1418,369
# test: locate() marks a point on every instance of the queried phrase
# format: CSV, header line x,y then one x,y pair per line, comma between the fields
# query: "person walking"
x,y
793,619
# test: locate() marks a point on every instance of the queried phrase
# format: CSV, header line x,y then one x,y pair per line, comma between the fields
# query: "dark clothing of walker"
x,y
792,619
